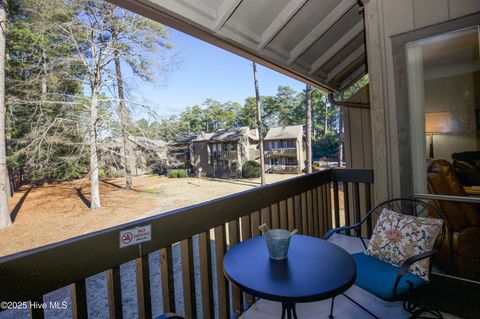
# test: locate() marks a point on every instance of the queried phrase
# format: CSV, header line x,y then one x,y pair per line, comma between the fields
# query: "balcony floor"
x,y
345,309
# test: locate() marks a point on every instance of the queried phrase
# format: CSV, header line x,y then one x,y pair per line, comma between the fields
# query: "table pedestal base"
x,y
288,309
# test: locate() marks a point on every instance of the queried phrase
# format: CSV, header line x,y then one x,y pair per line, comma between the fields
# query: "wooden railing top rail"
x,y
352,175
30,274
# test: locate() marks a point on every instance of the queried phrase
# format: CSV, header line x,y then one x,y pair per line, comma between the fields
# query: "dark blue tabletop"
x,y
314,270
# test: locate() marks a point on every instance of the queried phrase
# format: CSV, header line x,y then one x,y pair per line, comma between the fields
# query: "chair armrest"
x,y
336,230
407,263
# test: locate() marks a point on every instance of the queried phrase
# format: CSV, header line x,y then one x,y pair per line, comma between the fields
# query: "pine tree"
x,y
308,100
259,124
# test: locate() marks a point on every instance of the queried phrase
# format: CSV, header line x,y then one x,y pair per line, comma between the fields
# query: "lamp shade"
x,y
438,122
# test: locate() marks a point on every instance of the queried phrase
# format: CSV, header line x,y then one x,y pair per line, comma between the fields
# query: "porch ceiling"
x,y
317,41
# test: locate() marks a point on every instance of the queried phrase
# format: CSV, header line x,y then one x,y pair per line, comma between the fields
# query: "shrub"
x,y
38,176
182,173
101,173
251,169
177,173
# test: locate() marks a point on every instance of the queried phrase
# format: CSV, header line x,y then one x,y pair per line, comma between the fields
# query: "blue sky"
x,y
205,71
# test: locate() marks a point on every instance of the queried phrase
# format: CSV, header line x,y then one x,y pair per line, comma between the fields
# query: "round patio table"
x,y
314,270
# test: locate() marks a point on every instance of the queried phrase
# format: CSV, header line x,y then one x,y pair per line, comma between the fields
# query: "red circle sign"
x,y
127,238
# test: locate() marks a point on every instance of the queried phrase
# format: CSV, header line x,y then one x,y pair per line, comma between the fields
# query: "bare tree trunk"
x,y
340,136
5,219
43,79
125,121
43,91
325,130
308,93
259,124
94,181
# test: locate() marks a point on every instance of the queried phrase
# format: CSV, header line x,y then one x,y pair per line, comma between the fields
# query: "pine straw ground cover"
x,y
55,212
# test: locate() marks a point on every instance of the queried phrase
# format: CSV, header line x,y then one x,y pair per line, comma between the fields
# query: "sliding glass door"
x,y
444,98
443,75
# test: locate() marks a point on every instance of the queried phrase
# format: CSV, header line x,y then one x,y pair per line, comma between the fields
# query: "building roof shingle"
x,y
284,132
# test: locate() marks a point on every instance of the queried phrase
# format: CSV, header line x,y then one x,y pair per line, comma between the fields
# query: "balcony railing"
x,y
310,203
276,152
225,155
281,169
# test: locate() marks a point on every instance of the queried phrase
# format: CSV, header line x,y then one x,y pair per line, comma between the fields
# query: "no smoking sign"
x,y
135,236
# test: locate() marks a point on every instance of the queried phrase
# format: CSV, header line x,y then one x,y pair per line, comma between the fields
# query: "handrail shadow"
x,y
111,184
16,209
121,187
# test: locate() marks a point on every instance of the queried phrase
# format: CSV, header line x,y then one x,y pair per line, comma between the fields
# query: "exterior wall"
x,y
384,19
300,154
229,166
358,138
358,132
253,153
242,148
179,156
201,158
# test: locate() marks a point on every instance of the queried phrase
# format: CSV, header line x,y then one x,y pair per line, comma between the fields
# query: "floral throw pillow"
x,y
397,237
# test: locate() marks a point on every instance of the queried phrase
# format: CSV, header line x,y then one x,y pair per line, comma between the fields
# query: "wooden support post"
x,y
144,302
78,292
222,285
237,296
168,287
188,276
206,281
36,312
114,292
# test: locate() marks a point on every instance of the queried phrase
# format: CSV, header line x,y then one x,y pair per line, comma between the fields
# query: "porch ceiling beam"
x,y
280,21
353,77
355,55
336,47
320,29
174,7
241,34
224,11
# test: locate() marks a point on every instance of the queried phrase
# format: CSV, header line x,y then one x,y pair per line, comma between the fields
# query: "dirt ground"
x,y
55,212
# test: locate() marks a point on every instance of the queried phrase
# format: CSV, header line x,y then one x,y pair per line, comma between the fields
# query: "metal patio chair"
x,y
385,280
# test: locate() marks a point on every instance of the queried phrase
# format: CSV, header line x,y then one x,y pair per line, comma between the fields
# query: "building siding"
x,y
383,21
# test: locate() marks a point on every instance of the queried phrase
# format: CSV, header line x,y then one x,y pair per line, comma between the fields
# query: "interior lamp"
x,y
437,123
